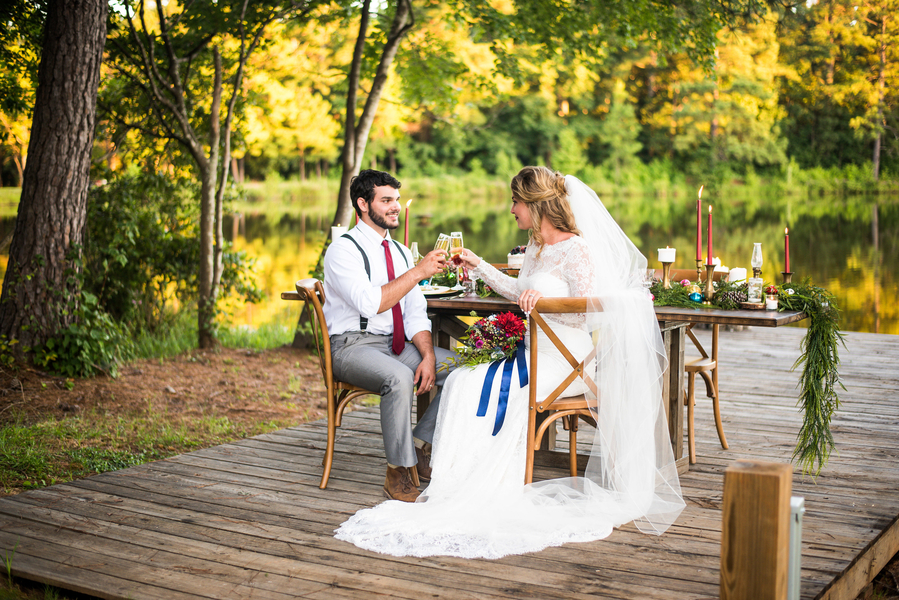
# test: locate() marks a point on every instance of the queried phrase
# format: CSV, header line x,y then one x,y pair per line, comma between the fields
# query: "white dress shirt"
x,y
350,294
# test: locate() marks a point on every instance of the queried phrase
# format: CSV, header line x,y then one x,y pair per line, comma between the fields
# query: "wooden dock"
x,y
247,520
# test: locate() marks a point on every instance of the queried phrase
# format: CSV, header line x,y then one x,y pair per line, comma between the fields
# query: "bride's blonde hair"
x,y
544,194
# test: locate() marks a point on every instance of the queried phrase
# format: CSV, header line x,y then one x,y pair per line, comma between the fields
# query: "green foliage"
x,y
676,295
820,361
92,344
142,248
7,355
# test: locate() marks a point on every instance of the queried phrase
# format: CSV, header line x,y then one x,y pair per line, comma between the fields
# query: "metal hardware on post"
x,y
797,509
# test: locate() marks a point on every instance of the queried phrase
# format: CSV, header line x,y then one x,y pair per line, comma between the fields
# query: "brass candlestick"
x,y
788,277
709,290
698,270
666,270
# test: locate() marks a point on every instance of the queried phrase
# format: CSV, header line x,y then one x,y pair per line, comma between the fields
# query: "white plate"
x,y
434,290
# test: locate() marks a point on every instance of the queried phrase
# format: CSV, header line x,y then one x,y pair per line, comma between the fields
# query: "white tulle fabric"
x,y
476,505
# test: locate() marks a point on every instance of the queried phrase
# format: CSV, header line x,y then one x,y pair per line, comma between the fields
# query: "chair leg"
x,y
572,444
718,424
332,434
691,434
712,392
413,471
532,428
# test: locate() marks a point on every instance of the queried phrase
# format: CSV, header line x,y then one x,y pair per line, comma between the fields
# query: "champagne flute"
x,y
443,243
455,248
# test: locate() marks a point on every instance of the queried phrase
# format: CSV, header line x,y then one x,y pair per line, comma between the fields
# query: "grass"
x,y
56,451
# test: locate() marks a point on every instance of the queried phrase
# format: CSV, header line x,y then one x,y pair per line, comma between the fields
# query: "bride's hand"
x,y
528,300
467,258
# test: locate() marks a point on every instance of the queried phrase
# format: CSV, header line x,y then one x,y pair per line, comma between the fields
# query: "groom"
x,y
374,307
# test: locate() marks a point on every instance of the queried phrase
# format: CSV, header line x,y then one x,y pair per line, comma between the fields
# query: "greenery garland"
x,y
820,359
819,355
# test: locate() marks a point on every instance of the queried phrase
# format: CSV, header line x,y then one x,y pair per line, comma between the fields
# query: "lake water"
x,y
832,240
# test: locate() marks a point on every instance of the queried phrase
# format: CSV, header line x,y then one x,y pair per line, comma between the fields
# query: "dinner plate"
x,y
439,291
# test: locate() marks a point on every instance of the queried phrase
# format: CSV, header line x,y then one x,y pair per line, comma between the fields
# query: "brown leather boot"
x,y
424,462
398,485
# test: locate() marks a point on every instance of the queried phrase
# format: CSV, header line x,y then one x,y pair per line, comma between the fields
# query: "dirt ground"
x,y
247,386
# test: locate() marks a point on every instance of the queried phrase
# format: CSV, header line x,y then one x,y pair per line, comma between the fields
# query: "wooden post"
x,y
755,532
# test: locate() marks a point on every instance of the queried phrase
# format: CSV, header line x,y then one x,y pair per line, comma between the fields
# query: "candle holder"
x,y
698,270
709,290
666,272
788,277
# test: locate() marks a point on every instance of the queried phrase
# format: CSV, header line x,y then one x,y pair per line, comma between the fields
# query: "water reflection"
x,y
832,241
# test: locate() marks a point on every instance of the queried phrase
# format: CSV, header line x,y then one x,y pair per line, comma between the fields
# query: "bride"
x,y
477,504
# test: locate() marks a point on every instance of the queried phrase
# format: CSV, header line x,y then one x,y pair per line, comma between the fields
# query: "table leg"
x,y
674,337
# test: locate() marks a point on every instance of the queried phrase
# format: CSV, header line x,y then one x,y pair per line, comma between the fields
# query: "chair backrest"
x,y
313,293
558,306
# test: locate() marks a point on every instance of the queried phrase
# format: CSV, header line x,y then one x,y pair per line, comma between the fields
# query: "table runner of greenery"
x,y
819,356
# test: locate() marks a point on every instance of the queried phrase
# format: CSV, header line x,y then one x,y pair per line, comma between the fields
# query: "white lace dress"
x,y
476,504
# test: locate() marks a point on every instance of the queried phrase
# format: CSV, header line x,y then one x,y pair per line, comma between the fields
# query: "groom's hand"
x,y
425,375
433,262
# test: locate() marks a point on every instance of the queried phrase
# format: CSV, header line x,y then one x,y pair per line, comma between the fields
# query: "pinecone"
x,y
732,298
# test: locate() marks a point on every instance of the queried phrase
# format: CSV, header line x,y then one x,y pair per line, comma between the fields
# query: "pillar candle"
x,y
709,233
699,225
336,232
667,255
787,249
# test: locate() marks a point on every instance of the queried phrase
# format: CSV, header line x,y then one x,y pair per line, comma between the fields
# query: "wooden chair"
x,y
707,367
571,409
339,394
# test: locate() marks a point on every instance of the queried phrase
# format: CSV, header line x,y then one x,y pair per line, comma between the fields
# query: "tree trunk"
x,y
356,134
53,205
209,224
881,92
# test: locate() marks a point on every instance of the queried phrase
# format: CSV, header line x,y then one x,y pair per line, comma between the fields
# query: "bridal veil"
x,y
631,474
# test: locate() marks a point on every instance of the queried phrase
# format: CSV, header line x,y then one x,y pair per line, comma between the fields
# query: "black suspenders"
x,y
363,321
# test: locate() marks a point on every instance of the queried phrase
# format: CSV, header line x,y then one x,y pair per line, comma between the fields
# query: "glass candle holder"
x,y
754,292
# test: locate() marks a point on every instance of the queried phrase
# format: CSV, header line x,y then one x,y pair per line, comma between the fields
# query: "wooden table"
x,y
673,323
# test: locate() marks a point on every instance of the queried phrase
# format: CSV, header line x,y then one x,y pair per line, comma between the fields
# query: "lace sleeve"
x,y
502,284
580,275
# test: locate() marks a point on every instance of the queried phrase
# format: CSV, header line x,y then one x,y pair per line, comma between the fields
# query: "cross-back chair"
x,y
554,406
338,393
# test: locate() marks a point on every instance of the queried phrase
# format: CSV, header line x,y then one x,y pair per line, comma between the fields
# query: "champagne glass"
x,y
443,243
455,248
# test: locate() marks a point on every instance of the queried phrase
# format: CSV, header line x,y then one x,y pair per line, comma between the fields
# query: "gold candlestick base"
x,y
709,290
698,270
788,277
666,272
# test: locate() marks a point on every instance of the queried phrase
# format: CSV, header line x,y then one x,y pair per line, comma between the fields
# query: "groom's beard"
x,y
381,220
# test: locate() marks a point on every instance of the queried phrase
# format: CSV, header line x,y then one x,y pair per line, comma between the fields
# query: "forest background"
x,y
650,99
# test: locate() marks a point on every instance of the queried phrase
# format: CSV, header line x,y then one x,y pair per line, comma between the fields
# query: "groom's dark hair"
x,y
363,185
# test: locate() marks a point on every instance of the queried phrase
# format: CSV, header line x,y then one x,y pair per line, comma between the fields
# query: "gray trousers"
x,y
367,360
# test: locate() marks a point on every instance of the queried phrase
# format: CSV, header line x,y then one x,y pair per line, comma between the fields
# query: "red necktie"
x,y
399,334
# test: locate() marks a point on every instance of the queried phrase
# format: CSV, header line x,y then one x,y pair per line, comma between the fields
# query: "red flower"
x,y
511,325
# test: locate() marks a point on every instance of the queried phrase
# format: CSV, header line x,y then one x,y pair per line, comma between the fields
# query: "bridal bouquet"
x,y
489,339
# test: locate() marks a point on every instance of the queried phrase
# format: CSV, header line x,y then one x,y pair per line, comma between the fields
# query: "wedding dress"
x,y
477,504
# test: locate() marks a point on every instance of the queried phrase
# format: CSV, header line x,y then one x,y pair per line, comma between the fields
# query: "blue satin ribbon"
x,y
505,384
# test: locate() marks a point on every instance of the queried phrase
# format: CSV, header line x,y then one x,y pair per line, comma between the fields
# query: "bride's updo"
x,y
543,192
